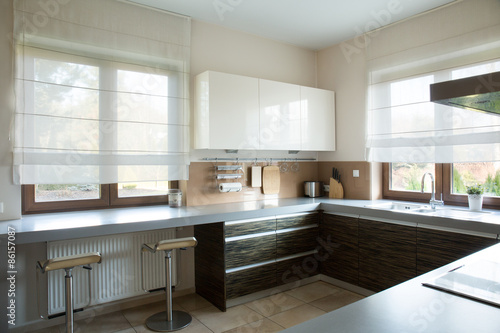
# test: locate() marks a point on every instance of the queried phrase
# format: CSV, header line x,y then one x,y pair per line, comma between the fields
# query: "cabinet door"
x,y
250,251
387,254
318,119
436,248
294,242
226,111
279,116
296,220
340,252
295,269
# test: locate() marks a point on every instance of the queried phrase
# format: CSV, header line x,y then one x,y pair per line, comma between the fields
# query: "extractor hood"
x,y
476,93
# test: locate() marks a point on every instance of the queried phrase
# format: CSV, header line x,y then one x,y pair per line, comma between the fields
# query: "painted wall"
x,y
10,194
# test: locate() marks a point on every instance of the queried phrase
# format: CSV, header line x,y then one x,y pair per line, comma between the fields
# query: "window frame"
x,y
443,181
109,199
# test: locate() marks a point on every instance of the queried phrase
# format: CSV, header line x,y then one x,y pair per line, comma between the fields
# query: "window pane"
x,y
141,189
484,173
66,192
408,176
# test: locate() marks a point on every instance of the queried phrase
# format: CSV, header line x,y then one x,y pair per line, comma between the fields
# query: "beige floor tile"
x,y
192,302
219,321
262,326
194,327
297,315
138,315
110,322
336,301
313,291
274,304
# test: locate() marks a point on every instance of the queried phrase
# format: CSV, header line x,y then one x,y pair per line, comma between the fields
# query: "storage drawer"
x,y
296,220
248,281
247,227
297,241
293,270
250,251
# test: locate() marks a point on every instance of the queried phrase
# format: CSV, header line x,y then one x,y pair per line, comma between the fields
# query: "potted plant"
x,y
475,193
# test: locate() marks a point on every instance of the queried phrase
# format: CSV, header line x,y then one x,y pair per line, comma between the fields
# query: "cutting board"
x,y
271,179
336,189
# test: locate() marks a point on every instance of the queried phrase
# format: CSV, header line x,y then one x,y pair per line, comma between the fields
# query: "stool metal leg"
x,y
169,320
69,300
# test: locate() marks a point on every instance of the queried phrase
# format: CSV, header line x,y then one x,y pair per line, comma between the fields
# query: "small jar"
x,y
175,198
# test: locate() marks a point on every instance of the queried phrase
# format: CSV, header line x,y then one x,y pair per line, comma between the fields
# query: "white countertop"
x,y
58,226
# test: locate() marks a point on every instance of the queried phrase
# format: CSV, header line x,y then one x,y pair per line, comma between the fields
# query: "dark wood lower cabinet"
x,y
387,254
339,248
248,281
293,270
436,248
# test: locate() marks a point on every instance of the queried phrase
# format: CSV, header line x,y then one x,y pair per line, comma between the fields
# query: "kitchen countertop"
x,y
410,307
59,226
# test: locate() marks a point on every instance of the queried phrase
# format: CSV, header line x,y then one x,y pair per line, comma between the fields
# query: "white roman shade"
x,y
458,41
102,93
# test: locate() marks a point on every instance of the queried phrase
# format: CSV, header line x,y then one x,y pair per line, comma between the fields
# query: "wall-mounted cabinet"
x,y
238,112
226,111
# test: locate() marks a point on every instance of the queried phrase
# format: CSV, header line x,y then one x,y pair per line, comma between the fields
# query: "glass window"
x,y
66,192
408,176
141,189
483,173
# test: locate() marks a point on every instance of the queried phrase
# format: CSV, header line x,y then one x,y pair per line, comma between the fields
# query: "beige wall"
x,y
347,77
10,194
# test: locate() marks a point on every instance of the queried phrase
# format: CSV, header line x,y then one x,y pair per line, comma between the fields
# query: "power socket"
x,y
355,173
326,188
1,207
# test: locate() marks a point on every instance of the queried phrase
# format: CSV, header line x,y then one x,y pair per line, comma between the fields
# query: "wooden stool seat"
x,y
69,261
170,244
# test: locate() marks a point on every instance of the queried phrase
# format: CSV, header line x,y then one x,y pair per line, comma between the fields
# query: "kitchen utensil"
x,y
256,176
271,179
336,188
313,189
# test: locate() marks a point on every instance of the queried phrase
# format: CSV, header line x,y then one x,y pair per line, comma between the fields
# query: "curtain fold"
x,y
102,93
404,59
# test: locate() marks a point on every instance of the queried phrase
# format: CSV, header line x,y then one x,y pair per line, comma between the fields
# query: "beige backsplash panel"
x,y
354,188
201,187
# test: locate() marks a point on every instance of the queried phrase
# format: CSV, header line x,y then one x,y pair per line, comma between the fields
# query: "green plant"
x,y
475,189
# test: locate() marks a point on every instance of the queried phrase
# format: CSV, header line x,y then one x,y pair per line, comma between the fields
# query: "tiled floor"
x,y
270,314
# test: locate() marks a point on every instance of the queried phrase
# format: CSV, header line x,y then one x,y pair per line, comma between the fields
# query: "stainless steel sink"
x,y
398,206
427,210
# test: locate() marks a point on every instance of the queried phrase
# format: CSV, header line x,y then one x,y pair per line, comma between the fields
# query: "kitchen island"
x,y
411,307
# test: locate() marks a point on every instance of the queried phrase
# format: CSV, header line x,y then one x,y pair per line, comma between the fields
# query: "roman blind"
x,y
101,93
458,41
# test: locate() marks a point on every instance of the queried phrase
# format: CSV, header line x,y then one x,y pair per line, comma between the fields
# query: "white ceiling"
x,y
312,24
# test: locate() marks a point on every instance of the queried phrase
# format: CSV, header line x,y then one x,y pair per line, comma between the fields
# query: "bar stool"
x,y
68,263
169,320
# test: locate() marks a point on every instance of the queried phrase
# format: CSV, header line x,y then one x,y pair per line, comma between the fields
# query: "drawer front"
x,y
251,280
296,220
250,251
297,241
293,270
248,227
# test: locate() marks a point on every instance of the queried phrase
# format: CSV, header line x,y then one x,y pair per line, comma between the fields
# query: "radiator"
x,y
117,277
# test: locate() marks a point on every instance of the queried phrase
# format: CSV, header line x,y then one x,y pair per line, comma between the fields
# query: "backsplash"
x,y
201,189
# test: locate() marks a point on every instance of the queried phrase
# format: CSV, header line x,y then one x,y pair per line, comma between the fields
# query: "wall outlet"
x,y
355,173
326,188
1,207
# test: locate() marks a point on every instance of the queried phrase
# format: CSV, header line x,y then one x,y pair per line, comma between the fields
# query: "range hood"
x,y
477,93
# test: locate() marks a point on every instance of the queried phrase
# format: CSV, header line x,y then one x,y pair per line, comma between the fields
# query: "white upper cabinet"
x,y
226,111
279,116
317,108
238,112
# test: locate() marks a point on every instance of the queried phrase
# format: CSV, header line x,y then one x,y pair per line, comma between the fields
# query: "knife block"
x,y
336,189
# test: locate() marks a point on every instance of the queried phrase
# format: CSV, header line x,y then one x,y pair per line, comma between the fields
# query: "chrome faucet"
x,y
433,202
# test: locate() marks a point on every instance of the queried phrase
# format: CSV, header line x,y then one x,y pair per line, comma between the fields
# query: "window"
x,y
402,181
99,101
